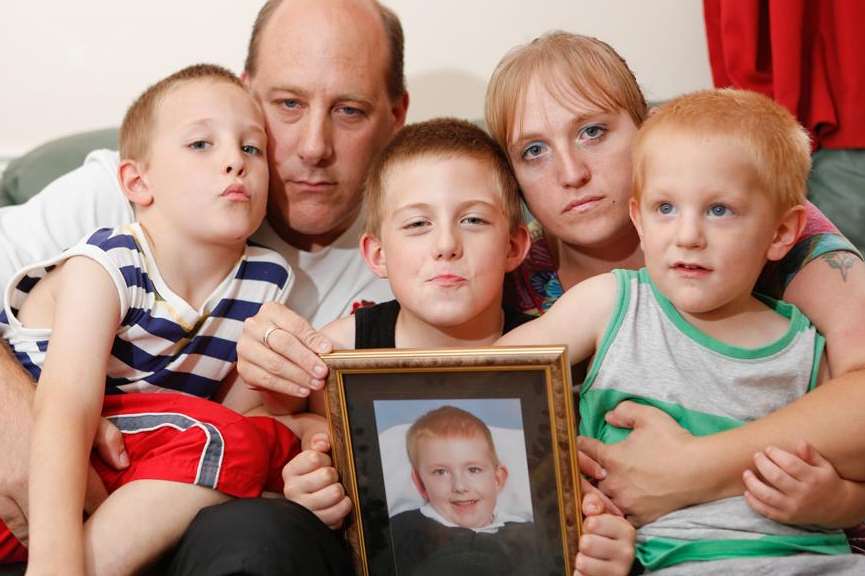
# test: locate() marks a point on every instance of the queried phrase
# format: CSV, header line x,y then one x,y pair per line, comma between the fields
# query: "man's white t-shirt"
x,y
329,283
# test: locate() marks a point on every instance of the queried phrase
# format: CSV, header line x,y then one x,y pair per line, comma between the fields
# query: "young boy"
x,y
456,470
719,181
444,226
137,314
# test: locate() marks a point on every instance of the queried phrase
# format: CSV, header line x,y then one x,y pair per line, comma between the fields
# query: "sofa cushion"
x,y
28,174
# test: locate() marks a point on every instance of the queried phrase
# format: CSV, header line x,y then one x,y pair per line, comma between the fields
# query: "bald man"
x,y
329,77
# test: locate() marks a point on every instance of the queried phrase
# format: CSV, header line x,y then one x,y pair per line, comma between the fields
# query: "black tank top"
x,y
375,326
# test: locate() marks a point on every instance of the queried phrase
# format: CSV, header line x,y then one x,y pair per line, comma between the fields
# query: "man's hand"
x,y
14,519
288,361
802,488
108,444
311,481
646,474
607,542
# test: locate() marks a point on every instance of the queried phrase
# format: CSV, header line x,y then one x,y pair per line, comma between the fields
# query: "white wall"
x,y
72,66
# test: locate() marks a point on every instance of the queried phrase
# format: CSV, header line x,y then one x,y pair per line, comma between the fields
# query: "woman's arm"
x,y
66,412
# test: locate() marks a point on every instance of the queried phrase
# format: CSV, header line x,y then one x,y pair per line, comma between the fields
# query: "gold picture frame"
x,y
373,395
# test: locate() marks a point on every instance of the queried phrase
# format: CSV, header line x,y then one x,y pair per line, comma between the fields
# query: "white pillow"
x,y
514,500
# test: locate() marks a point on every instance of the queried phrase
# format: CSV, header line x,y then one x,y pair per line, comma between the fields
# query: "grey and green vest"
x,y
651,355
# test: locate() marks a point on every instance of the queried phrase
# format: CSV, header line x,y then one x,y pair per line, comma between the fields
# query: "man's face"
x,y
320,79
460,478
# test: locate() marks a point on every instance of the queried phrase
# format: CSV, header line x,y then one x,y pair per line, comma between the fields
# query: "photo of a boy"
x,y
456,469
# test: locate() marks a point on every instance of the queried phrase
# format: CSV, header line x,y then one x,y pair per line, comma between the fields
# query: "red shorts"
x,y
196,441
188,439
11,550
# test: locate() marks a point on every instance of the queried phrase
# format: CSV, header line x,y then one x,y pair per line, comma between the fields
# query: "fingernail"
x,y
124,459
323,347
303,391
602,473
320,371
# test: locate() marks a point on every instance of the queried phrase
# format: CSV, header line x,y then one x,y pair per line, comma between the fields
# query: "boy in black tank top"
x,y
444,226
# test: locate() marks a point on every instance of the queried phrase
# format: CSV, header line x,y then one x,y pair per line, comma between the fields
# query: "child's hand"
x,y
315,433
587,488
607,542
311,481
802,488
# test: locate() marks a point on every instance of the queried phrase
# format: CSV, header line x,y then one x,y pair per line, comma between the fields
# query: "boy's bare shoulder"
x,y
341,333
596,291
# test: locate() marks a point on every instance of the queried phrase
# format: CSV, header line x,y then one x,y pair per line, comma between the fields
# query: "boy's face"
x,y
459,477
445,243
207,167
705,225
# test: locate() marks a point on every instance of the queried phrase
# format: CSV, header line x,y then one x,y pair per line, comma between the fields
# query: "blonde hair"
x,y
447,422
444,138
569,66
136,130
779,145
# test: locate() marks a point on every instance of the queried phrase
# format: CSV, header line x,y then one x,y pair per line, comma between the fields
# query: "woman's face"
x,y
573,163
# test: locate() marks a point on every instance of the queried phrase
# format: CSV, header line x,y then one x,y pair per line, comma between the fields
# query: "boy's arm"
x,y
66,413
577,319
660,468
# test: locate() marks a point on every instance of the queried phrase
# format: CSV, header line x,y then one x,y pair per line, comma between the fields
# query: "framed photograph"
x,y
458,462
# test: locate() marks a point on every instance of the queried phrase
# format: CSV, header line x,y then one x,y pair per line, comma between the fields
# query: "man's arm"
x,y
16,422
56,218
660,467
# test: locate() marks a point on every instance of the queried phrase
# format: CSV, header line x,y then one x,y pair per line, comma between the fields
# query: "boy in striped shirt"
x,y
143,322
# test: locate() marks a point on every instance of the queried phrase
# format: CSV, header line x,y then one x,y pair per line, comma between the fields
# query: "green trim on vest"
x,y
661,553
592,421
623,299
819,347
798,323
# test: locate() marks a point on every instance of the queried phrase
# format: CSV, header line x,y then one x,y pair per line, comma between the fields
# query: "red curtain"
x,y
808,55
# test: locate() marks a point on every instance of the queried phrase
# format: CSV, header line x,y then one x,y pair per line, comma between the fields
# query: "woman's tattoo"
x,y
841,261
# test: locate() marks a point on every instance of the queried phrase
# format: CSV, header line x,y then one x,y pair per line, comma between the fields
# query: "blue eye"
x,y
665,208
350,111
533,150
719,210
251,150
474,220
415,225
199,145
289,103
593,132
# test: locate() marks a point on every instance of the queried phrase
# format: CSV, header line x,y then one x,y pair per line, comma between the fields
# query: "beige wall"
x,y
71,66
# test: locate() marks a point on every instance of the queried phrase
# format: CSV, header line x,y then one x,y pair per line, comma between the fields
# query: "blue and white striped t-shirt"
x,y
163,343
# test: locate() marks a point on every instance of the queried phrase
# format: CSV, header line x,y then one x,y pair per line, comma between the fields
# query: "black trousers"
x,y
256,538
